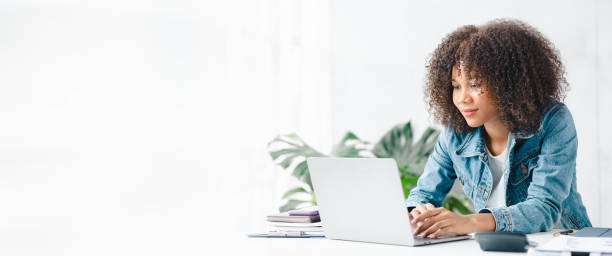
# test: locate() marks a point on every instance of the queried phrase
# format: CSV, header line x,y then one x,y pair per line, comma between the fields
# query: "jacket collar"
x,y
526,135
474,143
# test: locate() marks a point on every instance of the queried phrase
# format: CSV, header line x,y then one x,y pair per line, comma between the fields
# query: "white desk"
x,y
318,246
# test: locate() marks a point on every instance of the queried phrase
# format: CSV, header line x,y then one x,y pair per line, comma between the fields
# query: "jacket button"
x,y
524,168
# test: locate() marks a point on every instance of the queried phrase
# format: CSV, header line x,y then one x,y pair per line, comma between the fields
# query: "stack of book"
x,y
305,221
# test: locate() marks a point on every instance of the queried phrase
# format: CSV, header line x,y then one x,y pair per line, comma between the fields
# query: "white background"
x,y
140,127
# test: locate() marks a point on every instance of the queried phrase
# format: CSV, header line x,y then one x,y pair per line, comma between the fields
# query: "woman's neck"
x,y
496,136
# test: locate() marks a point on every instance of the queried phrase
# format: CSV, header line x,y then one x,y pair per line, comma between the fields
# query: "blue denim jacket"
x,y
541,175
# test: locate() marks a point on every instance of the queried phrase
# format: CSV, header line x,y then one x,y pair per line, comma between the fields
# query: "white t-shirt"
x,y
496,165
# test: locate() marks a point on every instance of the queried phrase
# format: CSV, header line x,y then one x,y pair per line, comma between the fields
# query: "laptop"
x,y
361,199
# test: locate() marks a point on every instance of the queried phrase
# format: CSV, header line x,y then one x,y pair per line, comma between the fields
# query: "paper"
x,y
577,244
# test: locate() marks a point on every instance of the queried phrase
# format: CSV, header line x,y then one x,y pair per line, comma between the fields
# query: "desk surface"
x,y
319,246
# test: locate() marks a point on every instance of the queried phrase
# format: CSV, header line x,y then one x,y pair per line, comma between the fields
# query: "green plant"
x,y
290,152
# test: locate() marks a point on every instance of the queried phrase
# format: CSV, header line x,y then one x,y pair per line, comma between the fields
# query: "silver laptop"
x,y
361,199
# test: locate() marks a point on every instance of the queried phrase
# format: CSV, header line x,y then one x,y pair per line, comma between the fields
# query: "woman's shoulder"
x,y
556,115
556,109
557,118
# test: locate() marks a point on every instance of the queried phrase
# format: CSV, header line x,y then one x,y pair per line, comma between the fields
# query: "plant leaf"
x,y
423,148
409,180
290,152
288,160
351,146
453,203
397,143
301,172
276,154
293,191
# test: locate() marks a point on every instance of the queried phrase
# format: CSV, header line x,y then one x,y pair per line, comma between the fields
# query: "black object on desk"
x,y
502,241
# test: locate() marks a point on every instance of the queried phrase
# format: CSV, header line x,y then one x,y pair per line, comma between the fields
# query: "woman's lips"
x,y
469,112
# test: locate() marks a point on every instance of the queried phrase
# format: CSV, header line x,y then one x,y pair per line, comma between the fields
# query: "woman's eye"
x,y
475,85
455,87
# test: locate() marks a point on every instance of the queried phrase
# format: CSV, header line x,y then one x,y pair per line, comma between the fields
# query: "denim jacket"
x,y
540,175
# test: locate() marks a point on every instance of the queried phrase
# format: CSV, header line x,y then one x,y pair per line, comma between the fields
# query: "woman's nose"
x,y
464,95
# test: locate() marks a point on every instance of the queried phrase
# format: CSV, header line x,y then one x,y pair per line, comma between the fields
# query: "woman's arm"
x,y
438,176
551,181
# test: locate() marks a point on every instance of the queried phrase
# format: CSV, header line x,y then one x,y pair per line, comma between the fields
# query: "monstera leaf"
x,y
411,157
458,203
351,146
290,152
397,144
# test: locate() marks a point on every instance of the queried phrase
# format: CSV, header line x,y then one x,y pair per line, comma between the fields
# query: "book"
x,y
307,211
285,217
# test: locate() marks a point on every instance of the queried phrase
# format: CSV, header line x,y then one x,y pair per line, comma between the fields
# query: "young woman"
x,y
508,138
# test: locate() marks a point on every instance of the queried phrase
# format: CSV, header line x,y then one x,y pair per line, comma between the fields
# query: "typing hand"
x,y
435,222
419,210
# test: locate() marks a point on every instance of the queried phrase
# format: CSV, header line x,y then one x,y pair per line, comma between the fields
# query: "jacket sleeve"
x,y
438,176
551,182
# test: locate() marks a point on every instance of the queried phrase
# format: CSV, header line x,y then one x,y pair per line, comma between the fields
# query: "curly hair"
x,y
520,66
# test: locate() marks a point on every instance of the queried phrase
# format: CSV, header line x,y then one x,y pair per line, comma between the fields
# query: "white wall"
x,y
603,171
140,127
378,56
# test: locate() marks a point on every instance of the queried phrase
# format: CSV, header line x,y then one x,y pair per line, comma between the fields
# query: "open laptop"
x,y
361,199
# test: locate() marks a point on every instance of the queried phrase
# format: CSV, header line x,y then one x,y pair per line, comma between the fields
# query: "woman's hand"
x,y
419,210
435,222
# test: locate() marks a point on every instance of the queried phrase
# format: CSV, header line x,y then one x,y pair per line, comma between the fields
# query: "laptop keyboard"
x,y
419,238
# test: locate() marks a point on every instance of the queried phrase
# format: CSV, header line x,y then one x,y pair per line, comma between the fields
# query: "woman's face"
x,y
472,98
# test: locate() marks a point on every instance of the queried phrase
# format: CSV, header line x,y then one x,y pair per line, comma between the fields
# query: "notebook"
x,y
285,217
